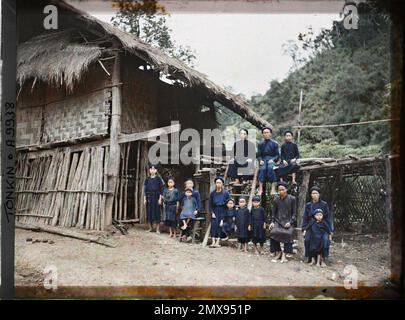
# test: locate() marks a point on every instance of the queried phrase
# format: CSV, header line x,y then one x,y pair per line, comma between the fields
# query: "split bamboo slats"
x,y
65,188
69,189
136,169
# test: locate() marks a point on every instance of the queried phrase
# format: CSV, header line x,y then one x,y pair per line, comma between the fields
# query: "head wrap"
x,y
288,131
219,178
315,188
283,184
268,128
153,165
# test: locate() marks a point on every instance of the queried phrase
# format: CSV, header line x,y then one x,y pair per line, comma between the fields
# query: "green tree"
x,y
147,20
345,78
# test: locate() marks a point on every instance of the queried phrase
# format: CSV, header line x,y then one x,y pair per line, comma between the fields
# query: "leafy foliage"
x,y
147,20
345,78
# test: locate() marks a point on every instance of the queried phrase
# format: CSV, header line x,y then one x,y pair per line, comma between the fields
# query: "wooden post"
x,y
388,207
253,189
302,197
115,129
208,220
299,119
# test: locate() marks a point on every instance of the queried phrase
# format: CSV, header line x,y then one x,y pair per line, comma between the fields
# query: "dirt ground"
x,y
146,259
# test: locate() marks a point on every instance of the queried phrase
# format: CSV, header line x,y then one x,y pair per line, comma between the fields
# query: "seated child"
x,y
189,208
317,228
289,154
170,201
258,225
228,223
242,221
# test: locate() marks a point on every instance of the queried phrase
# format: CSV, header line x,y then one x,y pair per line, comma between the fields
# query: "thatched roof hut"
x,y
89,96
64,57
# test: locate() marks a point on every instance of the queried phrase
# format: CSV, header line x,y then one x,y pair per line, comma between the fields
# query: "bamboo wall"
x,y
52,114
139,98
63,188
128,198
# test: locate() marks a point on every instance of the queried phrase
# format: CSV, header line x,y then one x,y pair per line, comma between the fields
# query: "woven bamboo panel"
x,y
358,202
29,122
76,117
139,102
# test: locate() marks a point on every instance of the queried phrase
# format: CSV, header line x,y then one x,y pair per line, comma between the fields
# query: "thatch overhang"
x,y
52,62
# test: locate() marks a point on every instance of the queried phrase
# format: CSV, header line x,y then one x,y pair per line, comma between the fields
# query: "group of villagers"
x,y
233,218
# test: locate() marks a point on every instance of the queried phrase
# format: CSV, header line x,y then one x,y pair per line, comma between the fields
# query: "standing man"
x,y
268,154
283,219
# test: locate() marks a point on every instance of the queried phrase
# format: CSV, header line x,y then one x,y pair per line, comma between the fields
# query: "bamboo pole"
x,y
115,129
136,181
66,233
126,181
299,119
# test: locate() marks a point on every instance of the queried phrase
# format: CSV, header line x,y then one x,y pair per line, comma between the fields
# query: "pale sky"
x,y
241,50
237,43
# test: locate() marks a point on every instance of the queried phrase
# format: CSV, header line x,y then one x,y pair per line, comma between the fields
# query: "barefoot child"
x,y
217,207
317,229
258,225
170,201
189,184
153,197
228,223
188,209
242,227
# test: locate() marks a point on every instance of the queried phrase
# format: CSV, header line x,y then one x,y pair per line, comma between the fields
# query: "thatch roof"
x,y
54,58
32,61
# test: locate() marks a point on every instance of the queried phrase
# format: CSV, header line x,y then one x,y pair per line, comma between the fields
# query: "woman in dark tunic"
x,y
283,218
153,197
217,208
289,155
258,225
243,156
228,222
170,201
317,203
243,221
317,229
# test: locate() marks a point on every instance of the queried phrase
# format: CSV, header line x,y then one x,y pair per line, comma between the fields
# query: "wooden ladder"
x,y
249,196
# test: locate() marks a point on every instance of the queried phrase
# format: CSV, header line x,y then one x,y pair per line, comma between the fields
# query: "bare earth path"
x,y
148,259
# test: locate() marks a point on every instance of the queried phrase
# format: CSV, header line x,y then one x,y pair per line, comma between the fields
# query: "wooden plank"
x,y
66,233
150,134
253,189
121,139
